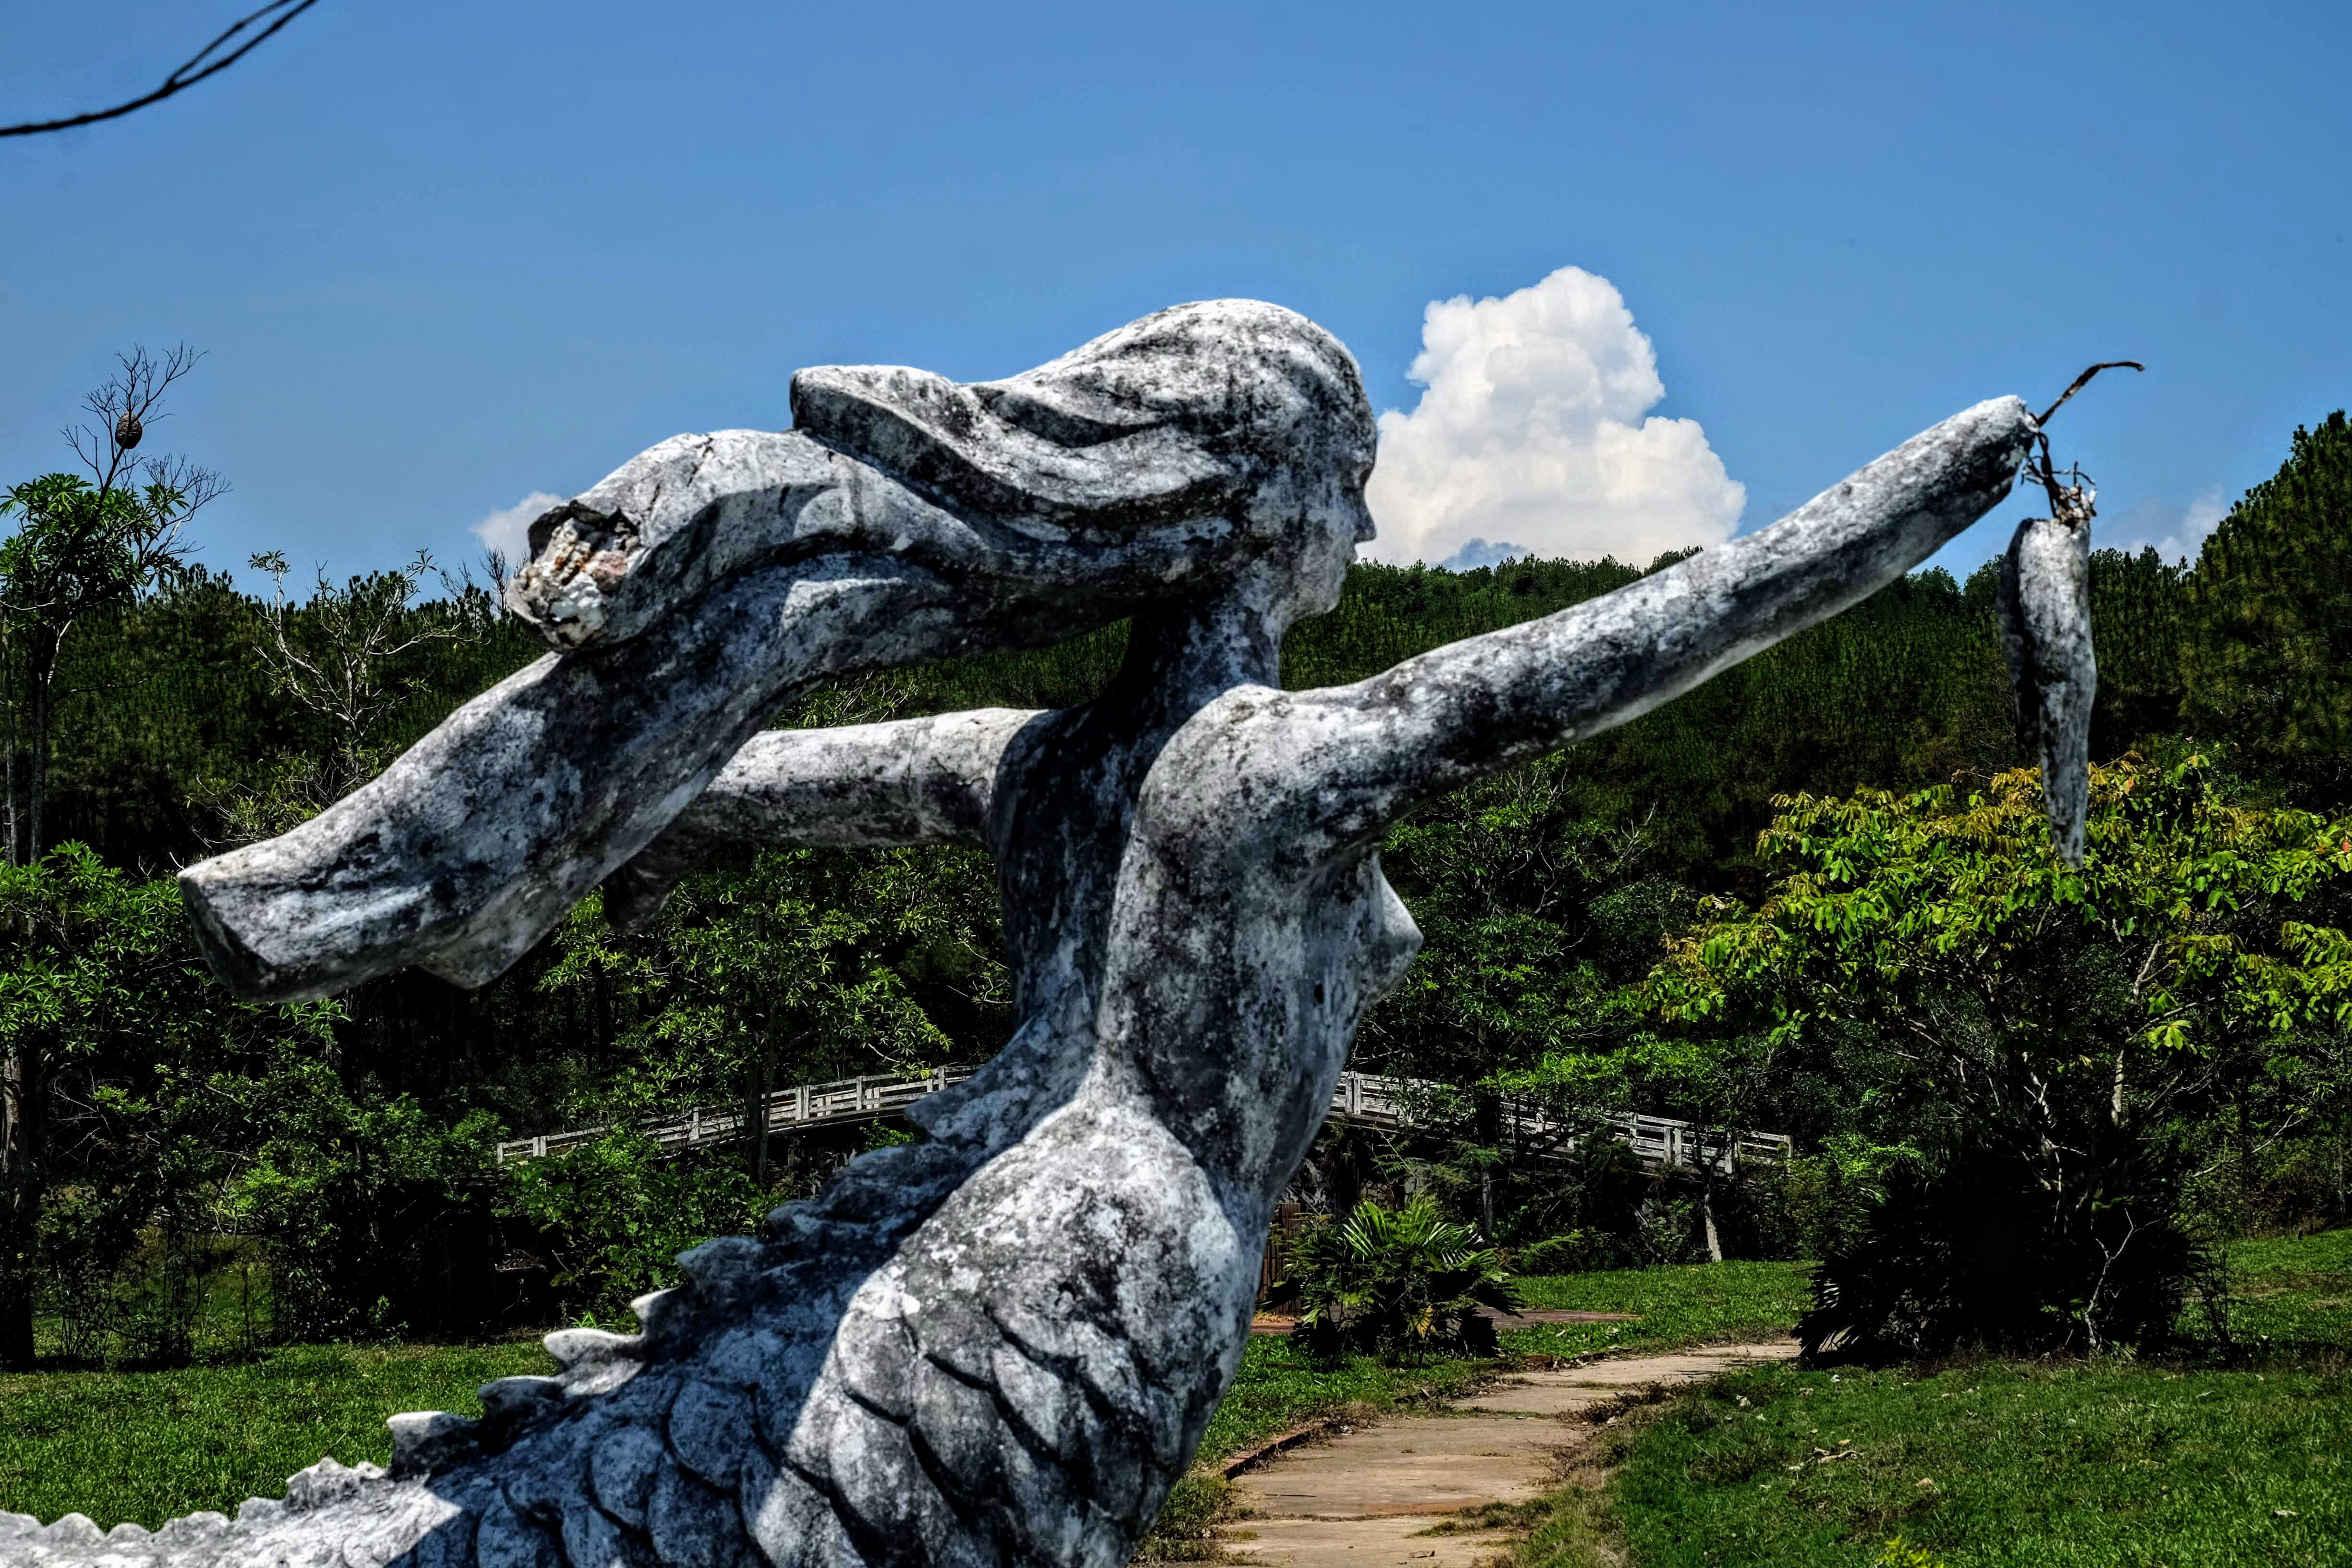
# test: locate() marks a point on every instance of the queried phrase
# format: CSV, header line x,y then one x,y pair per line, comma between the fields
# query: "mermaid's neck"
x,y
1186,655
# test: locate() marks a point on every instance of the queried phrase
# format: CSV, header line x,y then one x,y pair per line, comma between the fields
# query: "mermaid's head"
x,y
1240,427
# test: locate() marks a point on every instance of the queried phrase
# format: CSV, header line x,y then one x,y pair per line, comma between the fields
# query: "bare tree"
x,y
333,653
240,38
87,546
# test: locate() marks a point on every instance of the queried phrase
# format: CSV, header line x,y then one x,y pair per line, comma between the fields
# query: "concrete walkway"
x,y
1361,1499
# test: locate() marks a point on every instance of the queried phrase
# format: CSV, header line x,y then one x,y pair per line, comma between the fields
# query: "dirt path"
x,y
1361,1499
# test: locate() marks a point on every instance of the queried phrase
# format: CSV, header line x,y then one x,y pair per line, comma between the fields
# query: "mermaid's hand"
x,y
2044,605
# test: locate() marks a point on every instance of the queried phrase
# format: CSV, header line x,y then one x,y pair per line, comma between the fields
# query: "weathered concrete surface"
x,y
2043,604
1364,1498
999,1345
1578,1389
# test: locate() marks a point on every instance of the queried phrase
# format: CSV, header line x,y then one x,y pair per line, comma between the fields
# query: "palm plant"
x,y
1402,1283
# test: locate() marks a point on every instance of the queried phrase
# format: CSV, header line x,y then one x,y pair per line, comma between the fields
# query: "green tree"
x,y
2050,1038
91,970
138,1097
795,967
86,547
616,1213
1532,914
80,945
343,1187
2270,617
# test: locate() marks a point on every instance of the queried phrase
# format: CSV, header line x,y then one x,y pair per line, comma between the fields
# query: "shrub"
x,y
616,1213
1405,1281
1980,1254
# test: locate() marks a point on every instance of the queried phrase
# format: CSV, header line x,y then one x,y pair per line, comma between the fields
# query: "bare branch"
x,y
210,60
125,405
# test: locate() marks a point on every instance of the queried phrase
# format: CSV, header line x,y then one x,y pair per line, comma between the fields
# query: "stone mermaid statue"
x,y
1000,1344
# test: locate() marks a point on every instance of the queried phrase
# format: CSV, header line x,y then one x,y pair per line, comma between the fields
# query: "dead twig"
x,y
2072,503
2083,380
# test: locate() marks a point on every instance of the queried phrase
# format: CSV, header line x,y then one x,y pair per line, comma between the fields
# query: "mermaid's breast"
x,y
1392,939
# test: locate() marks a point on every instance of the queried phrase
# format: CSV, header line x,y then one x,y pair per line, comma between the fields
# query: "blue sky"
x,y
444,256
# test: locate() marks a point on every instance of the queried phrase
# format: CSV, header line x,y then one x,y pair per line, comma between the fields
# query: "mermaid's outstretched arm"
x,y
1363,756
915,781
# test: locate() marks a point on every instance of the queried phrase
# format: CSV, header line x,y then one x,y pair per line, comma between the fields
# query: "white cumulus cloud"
x,y
2176,533
508,530
1531,429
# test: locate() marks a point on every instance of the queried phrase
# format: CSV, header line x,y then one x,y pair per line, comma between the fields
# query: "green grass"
x,y
148,1445
2107,1463
2094,1464
1279,1387
1688,1305
2291,1295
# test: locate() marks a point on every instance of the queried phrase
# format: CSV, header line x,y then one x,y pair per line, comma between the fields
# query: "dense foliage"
x,y
2044,1039
1810,897
1406,1281
2270,608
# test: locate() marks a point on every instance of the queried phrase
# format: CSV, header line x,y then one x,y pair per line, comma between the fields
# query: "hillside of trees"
x,y
1663,919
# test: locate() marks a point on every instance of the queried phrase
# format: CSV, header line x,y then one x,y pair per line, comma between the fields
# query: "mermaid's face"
x,y
1338,523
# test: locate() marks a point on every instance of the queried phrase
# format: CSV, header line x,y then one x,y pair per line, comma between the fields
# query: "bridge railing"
x,y
789,1110
1400,1103
1367,1098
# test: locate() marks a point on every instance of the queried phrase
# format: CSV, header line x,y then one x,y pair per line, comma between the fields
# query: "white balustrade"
x,y
1367,1097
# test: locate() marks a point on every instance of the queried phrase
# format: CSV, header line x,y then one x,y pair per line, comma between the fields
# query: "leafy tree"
x,y
344,1189
616,1213
793,968
82,947
2137,603
2270,617
2048,1035
101,1009
1531,915
146,1109
1400,1281
84,549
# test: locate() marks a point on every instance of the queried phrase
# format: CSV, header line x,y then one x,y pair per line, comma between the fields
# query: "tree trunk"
x,y
1489,1108
766,1082
20,1206
16,1313
2245,1166
42,670
15,717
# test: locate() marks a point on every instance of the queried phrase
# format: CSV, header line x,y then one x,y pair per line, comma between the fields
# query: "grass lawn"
x,y
1689,1305
2096,1464
149,1445
2082,1465
146,1445
1279,1387
2292,1295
